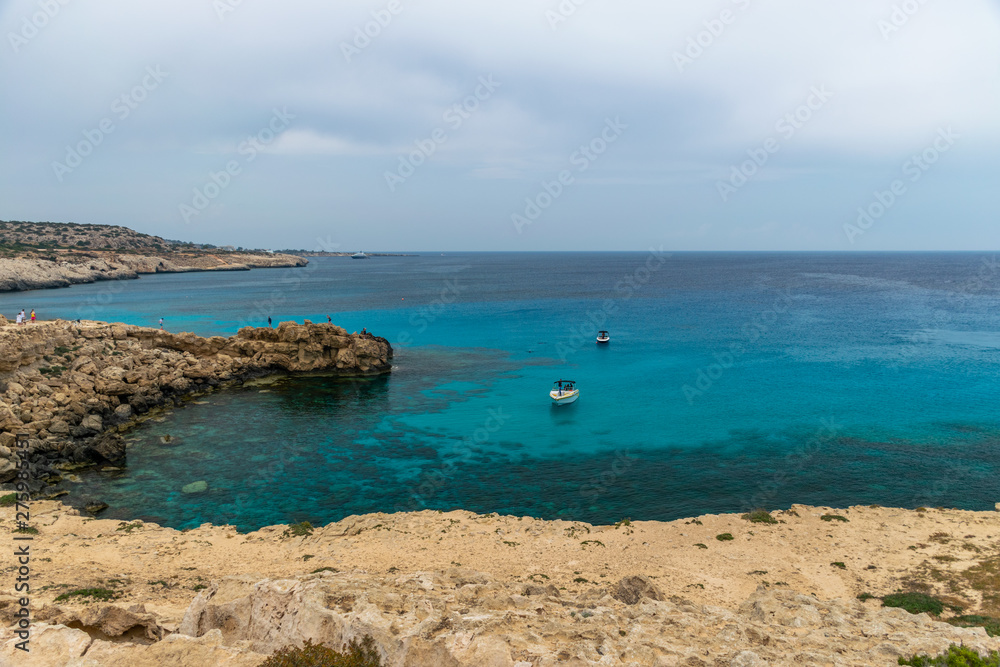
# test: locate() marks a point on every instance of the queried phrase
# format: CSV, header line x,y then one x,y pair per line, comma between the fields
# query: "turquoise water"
x,y
732,381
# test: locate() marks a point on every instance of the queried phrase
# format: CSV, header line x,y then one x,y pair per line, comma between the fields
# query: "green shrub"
x,y
915,603
834,517
725,537
303,529
839,564
8,500
101,594
356,654
760,516
957,656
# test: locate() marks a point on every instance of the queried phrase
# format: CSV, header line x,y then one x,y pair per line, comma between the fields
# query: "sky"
x,y
416,125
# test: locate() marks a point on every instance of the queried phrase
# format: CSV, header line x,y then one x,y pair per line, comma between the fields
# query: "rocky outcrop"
x,y
463,618
112,622
461,590
18,274
73,386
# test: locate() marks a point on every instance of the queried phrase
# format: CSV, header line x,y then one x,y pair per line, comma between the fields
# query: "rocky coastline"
x,y
73,387
65,269
806,585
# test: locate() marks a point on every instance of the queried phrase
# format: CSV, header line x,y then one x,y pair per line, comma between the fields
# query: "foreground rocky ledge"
x,y
73,268
463,590
73,387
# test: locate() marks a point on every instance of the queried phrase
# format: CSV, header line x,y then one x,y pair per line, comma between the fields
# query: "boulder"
x,y
51,646
95,507
112,621
8,471
632,590
92,424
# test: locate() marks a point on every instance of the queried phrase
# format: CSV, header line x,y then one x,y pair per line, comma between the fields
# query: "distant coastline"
x,y
45,255
19,274
303,253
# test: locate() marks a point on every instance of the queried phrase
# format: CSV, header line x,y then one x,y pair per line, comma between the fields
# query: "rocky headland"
x,y
17,274
41,255
73,387
458,589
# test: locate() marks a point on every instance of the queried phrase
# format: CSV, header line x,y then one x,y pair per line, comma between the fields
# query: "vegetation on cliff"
x,y
39,255
20,237
356,654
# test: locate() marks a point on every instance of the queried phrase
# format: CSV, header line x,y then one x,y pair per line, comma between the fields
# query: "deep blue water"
x,y
732,381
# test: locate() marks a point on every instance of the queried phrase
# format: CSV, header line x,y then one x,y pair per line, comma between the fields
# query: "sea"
x,y
733,381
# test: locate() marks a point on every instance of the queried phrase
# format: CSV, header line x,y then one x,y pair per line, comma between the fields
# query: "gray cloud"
x,y
699,86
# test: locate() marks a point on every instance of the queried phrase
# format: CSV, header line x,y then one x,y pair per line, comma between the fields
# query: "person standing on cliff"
x,y
23,316
32,315
329,320
19,319
161,324
269,321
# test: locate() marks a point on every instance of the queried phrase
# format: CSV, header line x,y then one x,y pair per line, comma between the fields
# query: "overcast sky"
x,y
579,125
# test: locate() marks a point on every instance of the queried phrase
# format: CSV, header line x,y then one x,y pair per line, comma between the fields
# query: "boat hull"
x,y
564,398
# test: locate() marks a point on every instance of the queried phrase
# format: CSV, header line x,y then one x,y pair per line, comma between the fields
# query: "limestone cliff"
x,y
72,386
27,273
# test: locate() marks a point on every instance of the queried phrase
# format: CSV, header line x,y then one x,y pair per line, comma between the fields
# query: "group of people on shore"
x,y
23,319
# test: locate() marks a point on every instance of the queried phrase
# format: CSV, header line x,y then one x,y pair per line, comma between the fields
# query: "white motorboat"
x,y
603,337
359,255
564,392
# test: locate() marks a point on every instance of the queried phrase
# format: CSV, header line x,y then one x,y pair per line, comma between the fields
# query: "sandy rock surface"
x,y
462,589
